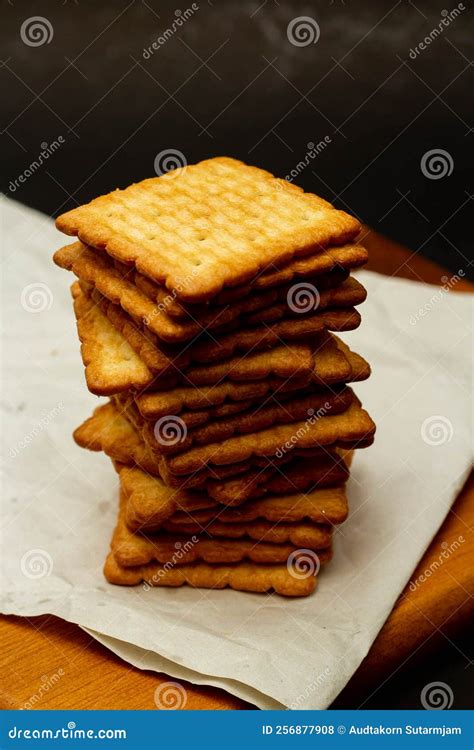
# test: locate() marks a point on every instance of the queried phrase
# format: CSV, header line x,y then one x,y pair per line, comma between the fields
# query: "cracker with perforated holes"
x,y
292,363
109,431
353,426
213,348
260,417
327,506
111,365
330,360
286,360
134,548
95,269
346,257
301,534
240,577
249,301
197,418
151,503
229,221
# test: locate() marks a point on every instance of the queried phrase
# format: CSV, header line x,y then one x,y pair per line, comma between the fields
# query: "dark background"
x,y
230,82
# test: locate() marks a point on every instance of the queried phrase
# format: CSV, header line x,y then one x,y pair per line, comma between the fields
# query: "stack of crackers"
x,y
208,304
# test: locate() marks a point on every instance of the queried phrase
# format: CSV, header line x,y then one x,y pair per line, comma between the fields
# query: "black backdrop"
x,y
226,79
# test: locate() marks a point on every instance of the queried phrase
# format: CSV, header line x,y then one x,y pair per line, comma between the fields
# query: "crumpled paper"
x,y
60,502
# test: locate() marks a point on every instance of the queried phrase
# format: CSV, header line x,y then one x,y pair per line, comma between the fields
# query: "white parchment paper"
x,y
59,502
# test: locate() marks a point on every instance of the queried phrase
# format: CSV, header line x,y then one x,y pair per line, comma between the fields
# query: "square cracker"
x,y
329,360
216,348
322,506
150,502
228,219
256,419
284,360
347,257
247,301
305,535
97,270
111,364
131,549
109,431
240,577
94,269
353,426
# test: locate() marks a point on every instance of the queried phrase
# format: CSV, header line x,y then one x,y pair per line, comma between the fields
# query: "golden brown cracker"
x,y
212,348
331,362
240,577
301,475
92,267
326,506
111,364
131,549
228,219
108,430
345,257
360,369
162,360
227,393
302,298
352,426
254,300
256,419
307,535
149,502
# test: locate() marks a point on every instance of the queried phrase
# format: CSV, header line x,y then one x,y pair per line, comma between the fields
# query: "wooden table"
x,y
36,649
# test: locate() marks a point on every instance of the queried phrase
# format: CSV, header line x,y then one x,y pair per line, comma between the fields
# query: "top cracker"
x,y
208,226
